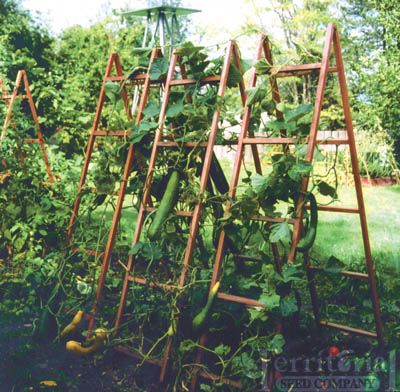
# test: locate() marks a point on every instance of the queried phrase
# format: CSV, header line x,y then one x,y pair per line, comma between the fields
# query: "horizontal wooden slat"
x,y
299,69
350,274
240,300
187,82
187,214
31,140
181,145
111,133
345,210
272,219
180,82
172,144
115,78
8,97
290,140
144,282
345,328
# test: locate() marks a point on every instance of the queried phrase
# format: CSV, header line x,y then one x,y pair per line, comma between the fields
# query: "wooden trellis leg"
x,y
22,78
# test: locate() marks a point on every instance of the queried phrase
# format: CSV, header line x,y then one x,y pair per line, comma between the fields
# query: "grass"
x,y
340,234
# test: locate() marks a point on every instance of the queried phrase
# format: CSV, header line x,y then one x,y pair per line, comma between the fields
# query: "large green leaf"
x,y
175,109
300,170
270,301
298,112
113,91
327,190
141,130
255,94
235,76
334,265
151,110
280,232
262,67
159,68
259,183
288,306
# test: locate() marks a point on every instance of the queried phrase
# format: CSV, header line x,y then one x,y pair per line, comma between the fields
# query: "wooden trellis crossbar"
x,y
323,69
232,54
22,83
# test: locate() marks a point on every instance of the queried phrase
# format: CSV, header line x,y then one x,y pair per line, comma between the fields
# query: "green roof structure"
x,y
162,23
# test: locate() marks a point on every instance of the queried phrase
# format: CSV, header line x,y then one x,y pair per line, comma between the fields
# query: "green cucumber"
x,y
308,240
201,318
218,176
167,204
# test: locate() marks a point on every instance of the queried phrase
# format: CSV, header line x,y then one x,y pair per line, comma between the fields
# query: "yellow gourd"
x,y
71,327
100,336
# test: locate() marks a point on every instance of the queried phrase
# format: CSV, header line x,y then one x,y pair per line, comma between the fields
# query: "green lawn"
x,y
340,234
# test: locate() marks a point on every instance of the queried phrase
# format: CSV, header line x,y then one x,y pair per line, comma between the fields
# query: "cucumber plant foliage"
x,y
153,314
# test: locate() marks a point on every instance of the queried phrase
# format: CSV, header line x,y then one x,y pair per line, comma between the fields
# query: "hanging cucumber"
x,y
167,204
201,318
308,240
218,176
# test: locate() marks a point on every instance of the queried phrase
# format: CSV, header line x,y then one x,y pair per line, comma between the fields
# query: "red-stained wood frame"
x,y
22,83
332,43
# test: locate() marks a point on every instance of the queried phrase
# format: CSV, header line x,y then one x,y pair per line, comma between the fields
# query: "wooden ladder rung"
x,y
272,219
345,210
350,274
182,144
32,140
144,282
180,82
345,328
111,133
8,97
187,214
172,144
188,82
240,300
299,69
115,78
290,140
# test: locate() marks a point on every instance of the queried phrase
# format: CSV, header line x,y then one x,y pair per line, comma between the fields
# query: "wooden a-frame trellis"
x,y
113,62
322,69
21,84
146,82
162,141
246,138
